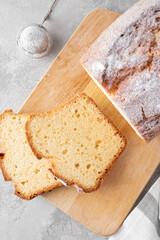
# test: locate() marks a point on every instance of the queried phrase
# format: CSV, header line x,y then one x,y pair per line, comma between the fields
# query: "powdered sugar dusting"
x,y
132,51
127,58
34,41
97,67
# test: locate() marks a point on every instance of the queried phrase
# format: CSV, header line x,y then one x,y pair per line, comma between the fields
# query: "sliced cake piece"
x,y
84,142
125,63
30,176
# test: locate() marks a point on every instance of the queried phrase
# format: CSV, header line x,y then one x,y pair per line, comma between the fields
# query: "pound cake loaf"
x,y
30,176
125,63
83,141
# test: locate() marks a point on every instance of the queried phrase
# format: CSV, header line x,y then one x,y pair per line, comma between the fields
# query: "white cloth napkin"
x,y
142,223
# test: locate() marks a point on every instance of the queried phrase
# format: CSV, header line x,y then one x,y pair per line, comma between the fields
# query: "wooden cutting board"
x,y
104,210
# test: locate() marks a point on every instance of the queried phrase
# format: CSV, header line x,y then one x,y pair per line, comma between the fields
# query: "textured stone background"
x,y
37,219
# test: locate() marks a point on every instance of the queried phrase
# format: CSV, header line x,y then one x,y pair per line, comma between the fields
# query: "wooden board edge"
x,y
94,12
105,232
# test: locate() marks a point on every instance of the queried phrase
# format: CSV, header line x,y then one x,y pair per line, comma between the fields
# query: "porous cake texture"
x,y
83,141
31,177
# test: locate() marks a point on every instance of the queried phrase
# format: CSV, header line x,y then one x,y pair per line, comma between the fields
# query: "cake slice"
x,y
83,141
30,176
125,63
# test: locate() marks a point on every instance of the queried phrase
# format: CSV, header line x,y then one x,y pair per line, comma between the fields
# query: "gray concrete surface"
x,y
37,219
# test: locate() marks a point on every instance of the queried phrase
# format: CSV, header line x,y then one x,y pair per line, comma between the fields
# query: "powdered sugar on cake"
x,y
133,50
126,59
